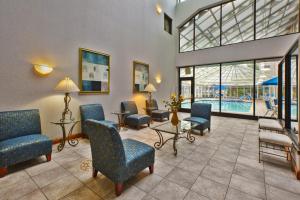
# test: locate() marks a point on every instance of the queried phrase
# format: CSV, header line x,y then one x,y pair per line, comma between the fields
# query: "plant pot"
x,y
174,119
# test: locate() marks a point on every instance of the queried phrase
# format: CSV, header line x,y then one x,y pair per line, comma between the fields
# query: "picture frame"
x,y
140,76
94,72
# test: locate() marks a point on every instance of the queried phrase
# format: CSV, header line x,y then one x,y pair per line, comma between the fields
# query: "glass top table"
x,y
182,130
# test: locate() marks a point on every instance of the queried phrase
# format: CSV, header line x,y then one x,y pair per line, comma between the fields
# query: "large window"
x,y
248,88
207,28
274,18
237,87
207,89
266,74
239,21
294,89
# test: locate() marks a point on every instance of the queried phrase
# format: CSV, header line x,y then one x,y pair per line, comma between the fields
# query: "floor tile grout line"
x,y
234,166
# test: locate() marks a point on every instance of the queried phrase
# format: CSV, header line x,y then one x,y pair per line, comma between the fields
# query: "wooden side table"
x,y
71,141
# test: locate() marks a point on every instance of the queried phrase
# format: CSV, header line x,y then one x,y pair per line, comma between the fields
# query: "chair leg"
x,y
95,173
201,132
151,169
48,157
3,171
118,188
148,124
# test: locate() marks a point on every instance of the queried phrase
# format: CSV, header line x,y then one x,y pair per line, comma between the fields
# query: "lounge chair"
x,y
134,119
93,111
115,158
156,113
200,115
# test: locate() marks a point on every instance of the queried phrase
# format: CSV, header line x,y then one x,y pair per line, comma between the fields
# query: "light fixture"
x,y
158,9
158,79
42,70
150,89
67,86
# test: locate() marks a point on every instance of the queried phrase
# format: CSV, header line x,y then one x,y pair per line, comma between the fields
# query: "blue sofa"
x,y
115,158
134,119
93,111
200,115
21,138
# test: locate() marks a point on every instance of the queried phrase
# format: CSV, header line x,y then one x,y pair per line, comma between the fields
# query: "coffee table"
x,y
182,130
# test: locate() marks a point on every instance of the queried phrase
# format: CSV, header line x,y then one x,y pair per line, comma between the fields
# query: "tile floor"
x,y
223,164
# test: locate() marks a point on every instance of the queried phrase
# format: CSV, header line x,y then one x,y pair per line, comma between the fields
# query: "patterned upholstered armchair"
x,y
115,158
21,138
156,113
93,111
133,118
201,115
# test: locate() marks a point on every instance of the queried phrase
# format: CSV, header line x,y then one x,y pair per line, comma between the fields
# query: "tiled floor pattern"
x,y
223,164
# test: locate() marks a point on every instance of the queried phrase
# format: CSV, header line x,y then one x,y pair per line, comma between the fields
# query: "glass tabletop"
x,y
168,127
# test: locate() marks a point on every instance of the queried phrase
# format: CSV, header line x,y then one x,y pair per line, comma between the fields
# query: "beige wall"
x,y
51,32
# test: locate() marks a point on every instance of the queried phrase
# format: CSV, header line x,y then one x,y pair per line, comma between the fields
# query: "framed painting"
x,y
94,72
140,76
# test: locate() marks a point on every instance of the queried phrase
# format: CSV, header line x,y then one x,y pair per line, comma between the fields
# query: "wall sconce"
x,y
158,79
42,70
158,9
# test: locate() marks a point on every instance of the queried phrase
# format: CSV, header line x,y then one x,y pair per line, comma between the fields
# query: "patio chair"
x,y
115,158
156,113
270,124
270,108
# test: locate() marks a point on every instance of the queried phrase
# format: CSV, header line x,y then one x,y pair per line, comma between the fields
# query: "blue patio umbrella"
x,y
218,87
272,81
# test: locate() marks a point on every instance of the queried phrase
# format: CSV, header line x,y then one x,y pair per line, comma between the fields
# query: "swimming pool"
x,y
227,105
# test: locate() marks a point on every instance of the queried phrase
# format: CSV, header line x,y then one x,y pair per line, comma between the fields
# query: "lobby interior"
x,y
149,100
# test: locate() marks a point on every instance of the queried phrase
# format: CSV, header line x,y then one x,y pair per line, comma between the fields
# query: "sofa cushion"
x,y
23,148
19,123
275,138
137,119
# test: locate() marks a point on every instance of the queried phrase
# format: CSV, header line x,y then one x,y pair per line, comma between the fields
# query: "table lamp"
x,y
150,89
66,86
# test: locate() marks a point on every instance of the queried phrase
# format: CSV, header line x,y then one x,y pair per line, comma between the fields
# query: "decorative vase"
x,y
174,119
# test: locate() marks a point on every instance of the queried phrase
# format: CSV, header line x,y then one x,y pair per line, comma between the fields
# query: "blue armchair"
x,y
157,113
200,115
133,118
21,138
93,111
115,158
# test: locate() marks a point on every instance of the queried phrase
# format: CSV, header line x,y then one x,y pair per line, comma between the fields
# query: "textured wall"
x,y
51,32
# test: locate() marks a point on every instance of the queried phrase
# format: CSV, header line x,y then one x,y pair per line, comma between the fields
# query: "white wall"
x,y
51,32
266,48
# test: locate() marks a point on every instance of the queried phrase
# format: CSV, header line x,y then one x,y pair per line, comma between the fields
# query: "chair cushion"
x,y
138,154
23,148
270,124
198,120
160,112
275,138
137,119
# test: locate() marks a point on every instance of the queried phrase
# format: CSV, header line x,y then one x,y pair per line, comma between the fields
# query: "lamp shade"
x,y
150,88
67,86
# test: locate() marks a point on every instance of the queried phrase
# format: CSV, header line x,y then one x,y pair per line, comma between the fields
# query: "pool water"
x,y
227,105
